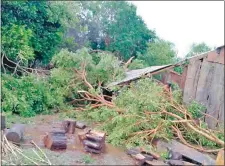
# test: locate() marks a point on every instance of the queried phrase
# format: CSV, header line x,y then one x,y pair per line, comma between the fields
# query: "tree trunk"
x,y
95,138
93,145
69,126
56,140
87,149
15,133
80,125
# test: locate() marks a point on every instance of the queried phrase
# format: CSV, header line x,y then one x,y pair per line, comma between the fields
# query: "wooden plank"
x,y
215,57
204,83
191,82
220,158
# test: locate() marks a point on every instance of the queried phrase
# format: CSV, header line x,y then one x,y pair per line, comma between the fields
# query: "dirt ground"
x,y
75,154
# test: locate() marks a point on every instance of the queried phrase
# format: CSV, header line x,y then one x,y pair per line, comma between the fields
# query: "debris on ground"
x,y
13,152
220,158
144,157
80,125
69,126
15,133
56,140
93,141
179,151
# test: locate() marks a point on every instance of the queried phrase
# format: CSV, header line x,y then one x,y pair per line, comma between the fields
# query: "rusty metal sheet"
x,y
204,83
215,57
175,77
135,74
183,78
191,82
216,95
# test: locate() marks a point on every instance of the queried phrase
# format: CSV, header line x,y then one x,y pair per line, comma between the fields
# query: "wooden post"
x,y
56,140
15,133
69,126
3,122
220,158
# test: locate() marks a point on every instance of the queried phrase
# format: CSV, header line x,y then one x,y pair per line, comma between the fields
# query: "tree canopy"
x,y
113,26
197,48
159,52
33,30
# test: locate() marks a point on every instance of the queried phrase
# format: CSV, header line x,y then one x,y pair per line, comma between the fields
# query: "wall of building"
x,y
204,83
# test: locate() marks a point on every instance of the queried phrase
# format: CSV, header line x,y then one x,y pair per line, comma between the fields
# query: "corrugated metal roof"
x,y
134,74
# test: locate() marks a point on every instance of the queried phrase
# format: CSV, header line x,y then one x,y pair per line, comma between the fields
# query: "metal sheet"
x,y
134,74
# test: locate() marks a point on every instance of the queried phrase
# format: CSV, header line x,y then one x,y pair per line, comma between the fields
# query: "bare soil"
x,y
75,154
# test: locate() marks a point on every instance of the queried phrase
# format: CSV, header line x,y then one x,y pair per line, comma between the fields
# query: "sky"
x,y
185,22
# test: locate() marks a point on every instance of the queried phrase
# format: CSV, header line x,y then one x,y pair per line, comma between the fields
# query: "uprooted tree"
x,y
141,112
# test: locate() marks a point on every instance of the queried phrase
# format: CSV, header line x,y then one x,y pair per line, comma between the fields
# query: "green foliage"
x,y
29,95
177,94
137,64
128,32
141,104
164,155
87,159
16,42
196,138
198,48
159,52
195,109
119,127
33,28
115,26
102,67
180,69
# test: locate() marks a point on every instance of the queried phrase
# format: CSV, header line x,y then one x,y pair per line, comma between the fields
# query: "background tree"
x,y
159,52
33,29
113,26
127,32
197,48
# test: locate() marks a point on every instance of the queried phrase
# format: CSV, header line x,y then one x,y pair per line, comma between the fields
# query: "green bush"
x,y
16,42
29,95
196,109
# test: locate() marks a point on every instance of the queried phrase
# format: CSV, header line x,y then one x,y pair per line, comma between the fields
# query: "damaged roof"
x,y
135,74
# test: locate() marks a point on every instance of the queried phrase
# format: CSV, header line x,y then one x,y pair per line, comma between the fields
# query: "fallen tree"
x,y
149,113
141,112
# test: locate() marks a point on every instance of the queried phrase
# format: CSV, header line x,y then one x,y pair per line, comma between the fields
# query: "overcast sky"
x,y
185,22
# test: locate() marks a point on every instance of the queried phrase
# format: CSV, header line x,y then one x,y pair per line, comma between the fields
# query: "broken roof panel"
x,y
135,74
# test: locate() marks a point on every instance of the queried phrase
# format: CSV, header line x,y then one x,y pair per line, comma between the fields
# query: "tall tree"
x,y
198,48
114,26
159,52
33,29
127,31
